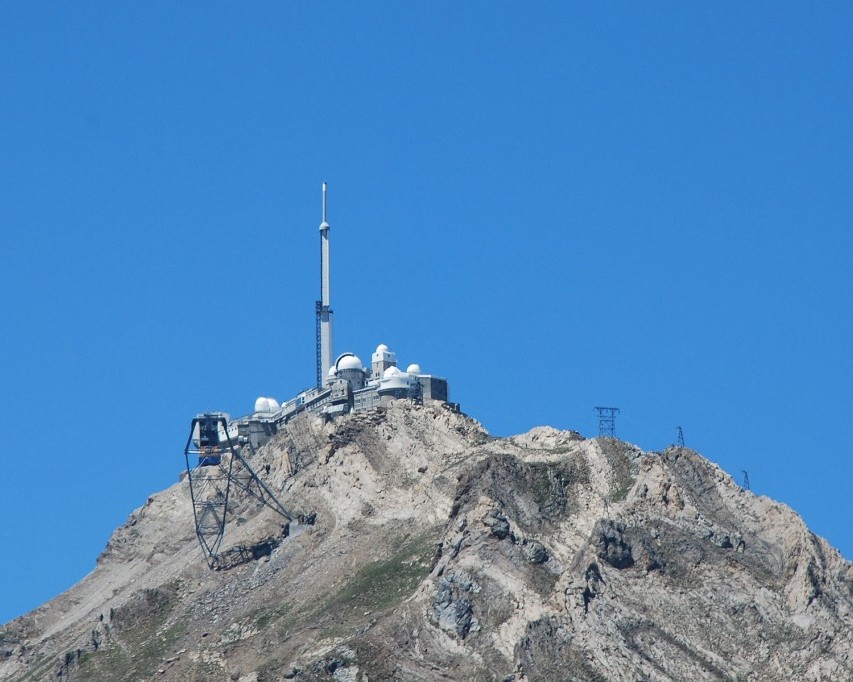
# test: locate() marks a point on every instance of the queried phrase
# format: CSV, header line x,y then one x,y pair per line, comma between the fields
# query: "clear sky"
x,y
555,205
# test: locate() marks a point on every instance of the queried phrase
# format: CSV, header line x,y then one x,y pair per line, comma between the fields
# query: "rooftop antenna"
x,y
680,440
323,311
607,421
745,483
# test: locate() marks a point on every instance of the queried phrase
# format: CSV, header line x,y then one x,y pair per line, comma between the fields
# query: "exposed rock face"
x,y
441,553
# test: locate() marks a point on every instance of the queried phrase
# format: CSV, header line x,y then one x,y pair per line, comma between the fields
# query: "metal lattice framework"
x,y
607,421
220,472
318,311
321,312
680,437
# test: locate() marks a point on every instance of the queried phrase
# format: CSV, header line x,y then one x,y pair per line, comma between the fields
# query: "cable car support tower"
x,y
217,476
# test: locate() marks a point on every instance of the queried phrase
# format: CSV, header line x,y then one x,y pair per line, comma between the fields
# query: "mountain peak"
x,y
439,551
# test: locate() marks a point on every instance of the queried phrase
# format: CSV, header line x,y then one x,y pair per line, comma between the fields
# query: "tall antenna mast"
x,y
322,308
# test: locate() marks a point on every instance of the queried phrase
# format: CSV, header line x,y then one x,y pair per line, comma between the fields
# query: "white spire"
x,y
326,350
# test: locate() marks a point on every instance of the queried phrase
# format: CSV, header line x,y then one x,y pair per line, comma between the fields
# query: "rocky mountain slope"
x,y
440,552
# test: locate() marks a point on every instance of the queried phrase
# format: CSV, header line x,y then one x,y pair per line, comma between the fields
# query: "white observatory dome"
x,y
414,368
263,404
332,372
396,382
383,356
348,361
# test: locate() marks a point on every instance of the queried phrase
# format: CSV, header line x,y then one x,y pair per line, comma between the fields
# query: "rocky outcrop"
x,y
439,552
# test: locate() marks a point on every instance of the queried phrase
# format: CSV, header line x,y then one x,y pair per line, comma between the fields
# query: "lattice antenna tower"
x,y
680,434
745,482
607,421
318,311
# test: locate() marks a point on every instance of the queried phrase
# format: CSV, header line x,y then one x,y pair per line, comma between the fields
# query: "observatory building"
x,y
342,385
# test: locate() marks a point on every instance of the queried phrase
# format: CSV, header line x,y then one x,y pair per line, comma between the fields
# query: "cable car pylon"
x,y
217,472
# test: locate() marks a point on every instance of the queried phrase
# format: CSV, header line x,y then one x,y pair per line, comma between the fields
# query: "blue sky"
x,y
557,206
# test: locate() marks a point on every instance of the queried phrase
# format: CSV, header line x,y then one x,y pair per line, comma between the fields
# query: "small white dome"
x,y
414,368
266,405
332,371
395,380
384,354
348,361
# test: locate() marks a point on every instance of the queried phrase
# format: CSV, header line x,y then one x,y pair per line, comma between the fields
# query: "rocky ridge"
x,y
440,552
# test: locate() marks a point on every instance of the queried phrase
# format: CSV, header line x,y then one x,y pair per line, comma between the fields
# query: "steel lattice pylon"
x,y
218,473
607,421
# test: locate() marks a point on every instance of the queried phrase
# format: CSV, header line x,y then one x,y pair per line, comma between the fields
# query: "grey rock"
x,y
608,539
644,566
535,552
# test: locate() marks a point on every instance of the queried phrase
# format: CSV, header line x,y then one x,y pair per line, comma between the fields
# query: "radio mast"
x,y
323,309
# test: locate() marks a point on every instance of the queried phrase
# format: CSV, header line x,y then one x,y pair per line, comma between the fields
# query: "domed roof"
x,y
348,361
382,348
266,405
394,379
414,368
332,371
